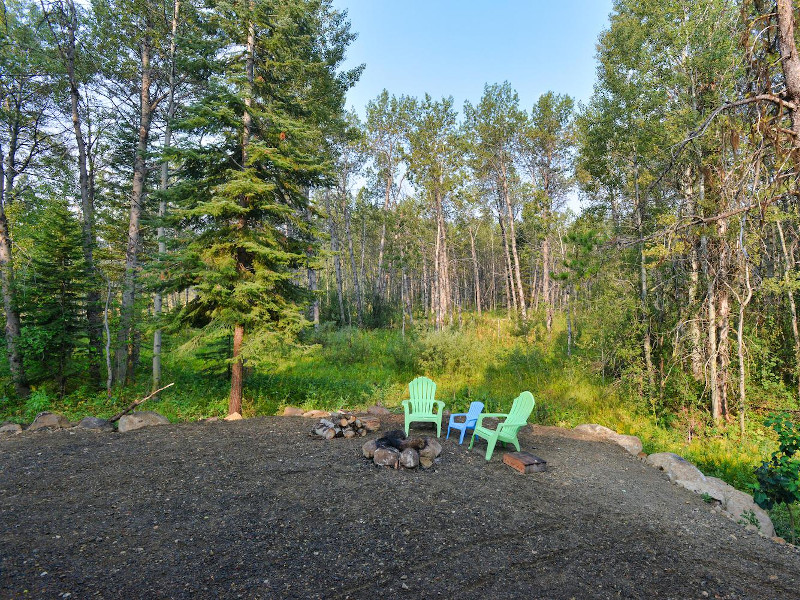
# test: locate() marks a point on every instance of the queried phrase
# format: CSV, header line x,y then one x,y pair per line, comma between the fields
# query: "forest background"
x,y
183,197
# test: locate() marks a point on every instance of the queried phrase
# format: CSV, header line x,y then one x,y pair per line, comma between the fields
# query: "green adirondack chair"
x,y
421,404
506,431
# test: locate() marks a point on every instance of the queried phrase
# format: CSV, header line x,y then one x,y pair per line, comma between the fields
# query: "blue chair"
x,y
470,419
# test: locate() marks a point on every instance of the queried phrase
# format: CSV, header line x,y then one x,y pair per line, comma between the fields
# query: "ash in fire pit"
x,y
345,425
395,450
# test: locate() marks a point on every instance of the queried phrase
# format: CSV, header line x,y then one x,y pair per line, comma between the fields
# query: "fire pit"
x,y
346,425
395,450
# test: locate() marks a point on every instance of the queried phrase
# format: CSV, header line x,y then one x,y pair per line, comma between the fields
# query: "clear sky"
x,y
451,47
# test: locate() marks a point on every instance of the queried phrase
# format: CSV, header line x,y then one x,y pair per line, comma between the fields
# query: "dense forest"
x,y
184,195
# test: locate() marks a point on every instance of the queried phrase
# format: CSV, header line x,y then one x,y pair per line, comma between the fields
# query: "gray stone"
x,y
378,410
676,467
431,450
293,411
95,424
137,420
11,428
738,505
409,458
631,443
50,420
369,448
386,457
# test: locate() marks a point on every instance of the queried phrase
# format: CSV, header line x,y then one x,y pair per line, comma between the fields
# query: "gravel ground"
x,y
259,509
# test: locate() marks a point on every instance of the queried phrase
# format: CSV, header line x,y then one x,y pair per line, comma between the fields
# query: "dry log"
x,y
119,415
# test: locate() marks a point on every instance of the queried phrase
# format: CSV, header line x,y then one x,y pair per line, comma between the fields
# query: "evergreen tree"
x,y
54,296
244,189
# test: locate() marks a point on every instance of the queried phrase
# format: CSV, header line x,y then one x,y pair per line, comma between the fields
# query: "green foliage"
x,y
779,478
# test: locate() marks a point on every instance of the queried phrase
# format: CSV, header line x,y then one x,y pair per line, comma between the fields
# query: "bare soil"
x,y
259,509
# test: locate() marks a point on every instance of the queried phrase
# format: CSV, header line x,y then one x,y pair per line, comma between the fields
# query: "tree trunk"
x,y
134,223
740,330
356,284
723,316
162,204
475,270
70,18
242,258
792,306
546,286
646,341
790,62
237,372
513,235
711,303
337,259
13,326
387,197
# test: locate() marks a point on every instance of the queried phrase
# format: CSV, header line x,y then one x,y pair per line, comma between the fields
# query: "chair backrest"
x,y
422,393
521,409
475,409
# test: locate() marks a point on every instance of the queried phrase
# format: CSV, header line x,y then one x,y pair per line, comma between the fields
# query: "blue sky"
x,y
447,47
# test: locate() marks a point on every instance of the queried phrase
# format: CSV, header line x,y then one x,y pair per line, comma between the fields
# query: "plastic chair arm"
x,y
440,404
405,406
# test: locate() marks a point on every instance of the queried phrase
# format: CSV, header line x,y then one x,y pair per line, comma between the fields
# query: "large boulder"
x,y
317,414
234,417
678,469
386,457
137,420
369,448
293,411
49,420
431,449
409,458
631,443
378,410
11,428
738,505
95,424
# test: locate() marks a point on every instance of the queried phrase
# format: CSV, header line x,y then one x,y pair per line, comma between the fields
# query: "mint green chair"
x,y
506,431
421,404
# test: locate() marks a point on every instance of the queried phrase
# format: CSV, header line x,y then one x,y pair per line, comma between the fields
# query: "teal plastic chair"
x,y
470,420
506,431
421,405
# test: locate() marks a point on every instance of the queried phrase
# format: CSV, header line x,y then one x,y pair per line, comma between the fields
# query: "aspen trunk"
x,y
337,259
356,284
162,204
387,197
646,340
792,306
13,326
134,223
476,271
546,286
512,232
723,316
740,330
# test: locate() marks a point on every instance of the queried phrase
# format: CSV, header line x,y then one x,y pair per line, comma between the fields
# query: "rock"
x,y
425,462
371,423
431,450
631,443
137,420
386,457
317,414
369,448
778,540
293,411
48,419
234,417
378,410
409,458
211,420
95,424
11,428
676,467
736,504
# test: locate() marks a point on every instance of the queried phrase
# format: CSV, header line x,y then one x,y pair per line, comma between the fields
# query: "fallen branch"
x,y
118,416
